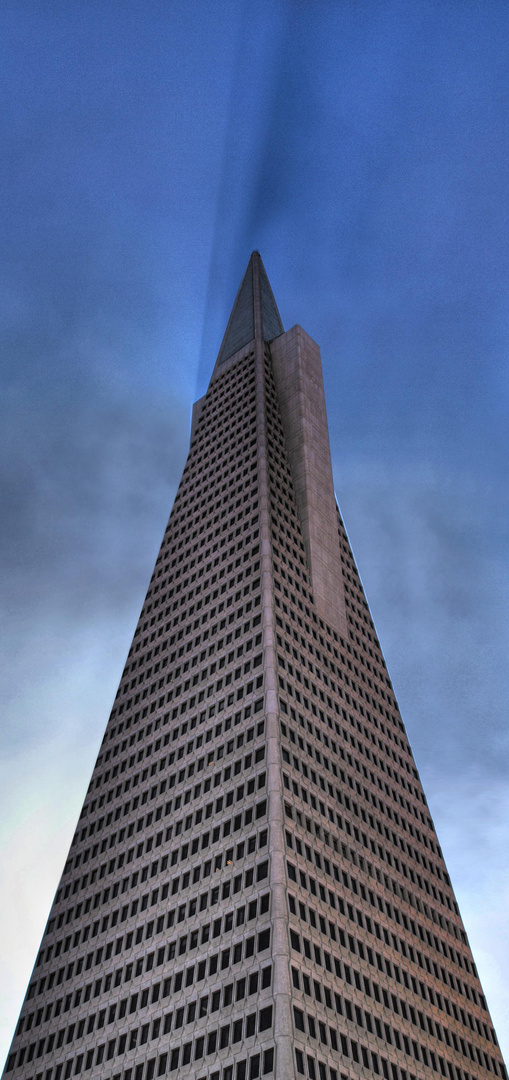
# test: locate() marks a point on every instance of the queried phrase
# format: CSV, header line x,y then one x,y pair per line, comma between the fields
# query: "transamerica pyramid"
x,y
255,887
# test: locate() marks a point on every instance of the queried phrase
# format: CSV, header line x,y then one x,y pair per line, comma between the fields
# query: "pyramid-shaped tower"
x,y
255,887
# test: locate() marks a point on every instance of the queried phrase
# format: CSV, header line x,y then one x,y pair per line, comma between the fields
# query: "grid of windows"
x,y
175,825
379,923
246,732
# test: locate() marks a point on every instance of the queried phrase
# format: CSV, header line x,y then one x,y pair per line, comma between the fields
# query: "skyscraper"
x,y
255,887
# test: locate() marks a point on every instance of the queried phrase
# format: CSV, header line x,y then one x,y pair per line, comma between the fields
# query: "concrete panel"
x,y
299,383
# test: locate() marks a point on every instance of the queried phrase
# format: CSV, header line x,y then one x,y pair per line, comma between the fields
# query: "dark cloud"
x,y
86,493
430,546
146,153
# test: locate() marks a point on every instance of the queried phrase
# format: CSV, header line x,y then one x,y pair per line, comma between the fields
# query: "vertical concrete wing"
x,y
299,383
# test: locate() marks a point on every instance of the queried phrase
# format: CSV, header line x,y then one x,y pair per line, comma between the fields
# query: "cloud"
x,y
430,547
425,543
358,147
89,477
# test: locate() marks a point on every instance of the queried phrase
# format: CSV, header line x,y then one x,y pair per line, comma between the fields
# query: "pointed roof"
x,y
254,307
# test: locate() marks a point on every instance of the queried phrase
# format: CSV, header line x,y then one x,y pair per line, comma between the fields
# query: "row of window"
x,y
296,587
428,939
173,780
201,441
219,402
120,915
344,800
244,986
198,554
145,821
282,492
348,853
188,569
181,614
192,605
143,932
221,777
182,669
226,680
427,965
360,1054
185,651
290,613
316,828
210,1042
424,884
356,724
237,523
239,716
379,670
339,1043
231,477
316,670
218,469
394,775
191,597
206,537
180,883
212,417
318,922
202,695
332,963
383,830
200,639
250,1068
224,924
360,812
302,584
347,737
189,588
190,683
184,522
231,382
111,892
352,1012
216,408
356,603
190,550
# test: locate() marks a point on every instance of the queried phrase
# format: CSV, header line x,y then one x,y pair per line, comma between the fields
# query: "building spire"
x,y
254,312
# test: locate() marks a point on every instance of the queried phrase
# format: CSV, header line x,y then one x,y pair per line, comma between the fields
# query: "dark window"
x,y
299,1019
263,940
265,1018
250,1025
268,1061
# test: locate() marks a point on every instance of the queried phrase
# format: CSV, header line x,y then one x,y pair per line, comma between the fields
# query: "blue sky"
x,y
147,149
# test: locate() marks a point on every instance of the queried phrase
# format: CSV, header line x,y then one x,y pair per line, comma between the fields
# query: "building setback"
x,y
255,887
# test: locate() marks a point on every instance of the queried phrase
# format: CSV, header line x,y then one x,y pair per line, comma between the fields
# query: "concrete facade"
x,y
255,887
299,385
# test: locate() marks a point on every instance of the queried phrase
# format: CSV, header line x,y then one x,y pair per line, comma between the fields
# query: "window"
x,y
298,1017
250,1025
268,1061
263,940
295,941
265,1020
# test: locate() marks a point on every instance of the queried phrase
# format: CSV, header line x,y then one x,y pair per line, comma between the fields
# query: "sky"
x,y
147,149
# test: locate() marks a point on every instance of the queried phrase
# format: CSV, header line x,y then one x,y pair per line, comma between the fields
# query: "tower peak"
x,y
245,319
